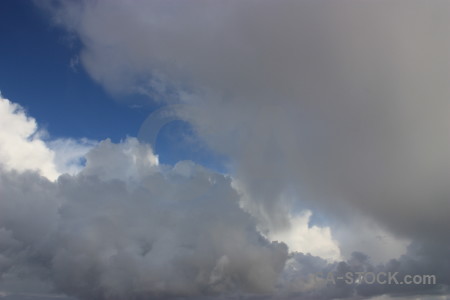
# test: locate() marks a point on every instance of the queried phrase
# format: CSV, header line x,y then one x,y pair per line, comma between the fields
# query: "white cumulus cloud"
x,y
21,147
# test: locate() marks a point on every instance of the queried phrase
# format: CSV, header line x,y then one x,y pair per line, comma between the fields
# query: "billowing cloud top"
x,y
20,145
124,227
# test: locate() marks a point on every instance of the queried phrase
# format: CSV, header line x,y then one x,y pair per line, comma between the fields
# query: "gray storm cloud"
x,y
342,104
125,227
347,102
132,229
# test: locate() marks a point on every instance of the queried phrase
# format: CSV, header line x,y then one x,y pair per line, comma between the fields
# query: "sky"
x,y
223,150
41,72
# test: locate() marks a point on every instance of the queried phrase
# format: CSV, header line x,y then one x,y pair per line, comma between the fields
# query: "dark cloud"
x,y
302,268
347,103
126,228
101,236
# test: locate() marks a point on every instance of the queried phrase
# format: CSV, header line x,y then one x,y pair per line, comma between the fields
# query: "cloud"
x,y
340,101
309,277
120,225
124,226
301,237
69,154
343,105
160,232
25,147
21,146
